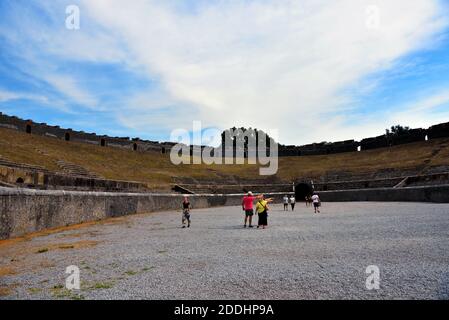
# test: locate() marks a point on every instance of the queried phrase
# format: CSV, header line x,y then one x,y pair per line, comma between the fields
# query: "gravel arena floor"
x,y
299,256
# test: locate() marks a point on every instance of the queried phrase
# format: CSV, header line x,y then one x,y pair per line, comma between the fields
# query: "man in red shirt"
x,y
247,206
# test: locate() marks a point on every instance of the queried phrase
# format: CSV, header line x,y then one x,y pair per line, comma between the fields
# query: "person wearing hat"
x,y
247,206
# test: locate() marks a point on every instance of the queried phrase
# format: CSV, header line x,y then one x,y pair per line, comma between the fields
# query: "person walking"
x,y
316,202
262,210
247,206
309,201
186,212
285,202
292,202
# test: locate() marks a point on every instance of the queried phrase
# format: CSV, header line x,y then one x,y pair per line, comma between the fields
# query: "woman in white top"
x,y
292,202
316,202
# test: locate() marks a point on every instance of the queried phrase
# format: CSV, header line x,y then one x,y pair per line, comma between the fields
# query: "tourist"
x,y
285,203
262,210
316,202
186,212
292,202
247,206
309,201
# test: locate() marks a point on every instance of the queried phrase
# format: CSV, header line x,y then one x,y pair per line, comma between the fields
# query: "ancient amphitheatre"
x,y
110,206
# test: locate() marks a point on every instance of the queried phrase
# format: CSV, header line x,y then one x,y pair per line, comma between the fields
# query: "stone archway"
x,y
302,190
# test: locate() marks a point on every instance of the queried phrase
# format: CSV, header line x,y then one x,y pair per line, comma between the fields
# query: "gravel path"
x,y
300,255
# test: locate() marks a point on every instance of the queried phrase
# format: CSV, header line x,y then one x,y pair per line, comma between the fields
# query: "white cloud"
x,y
420,113
71,89
10,95
7,96
429,103
268,64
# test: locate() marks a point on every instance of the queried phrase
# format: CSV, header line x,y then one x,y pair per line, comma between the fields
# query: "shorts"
x,y
249,213
316,204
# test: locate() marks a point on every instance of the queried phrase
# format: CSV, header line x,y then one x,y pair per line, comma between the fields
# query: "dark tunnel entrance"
x,y
302,190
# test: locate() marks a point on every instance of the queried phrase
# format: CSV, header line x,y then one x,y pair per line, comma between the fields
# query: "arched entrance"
x,y
103,142
302,190
28,129
67,136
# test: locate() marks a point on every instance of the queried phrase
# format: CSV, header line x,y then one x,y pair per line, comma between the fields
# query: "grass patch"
x,y
148,268
77,297
60,292
103,285
131,273
34,290
42,250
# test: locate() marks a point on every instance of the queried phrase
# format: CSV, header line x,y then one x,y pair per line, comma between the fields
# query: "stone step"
x,y
72,169
7,163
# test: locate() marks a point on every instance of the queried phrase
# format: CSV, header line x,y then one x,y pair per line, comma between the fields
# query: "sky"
x,y
310,71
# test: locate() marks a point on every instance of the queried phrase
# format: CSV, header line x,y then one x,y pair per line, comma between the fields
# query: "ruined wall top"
x,y
137,144
43,129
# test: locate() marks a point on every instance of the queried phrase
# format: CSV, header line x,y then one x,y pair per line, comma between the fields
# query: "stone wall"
x,y
21,176
358,184
438,131
65,182
35,178
439,194
235,188
25,211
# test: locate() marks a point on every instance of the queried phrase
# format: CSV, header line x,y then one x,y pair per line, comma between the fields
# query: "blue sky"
x,y
308,70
